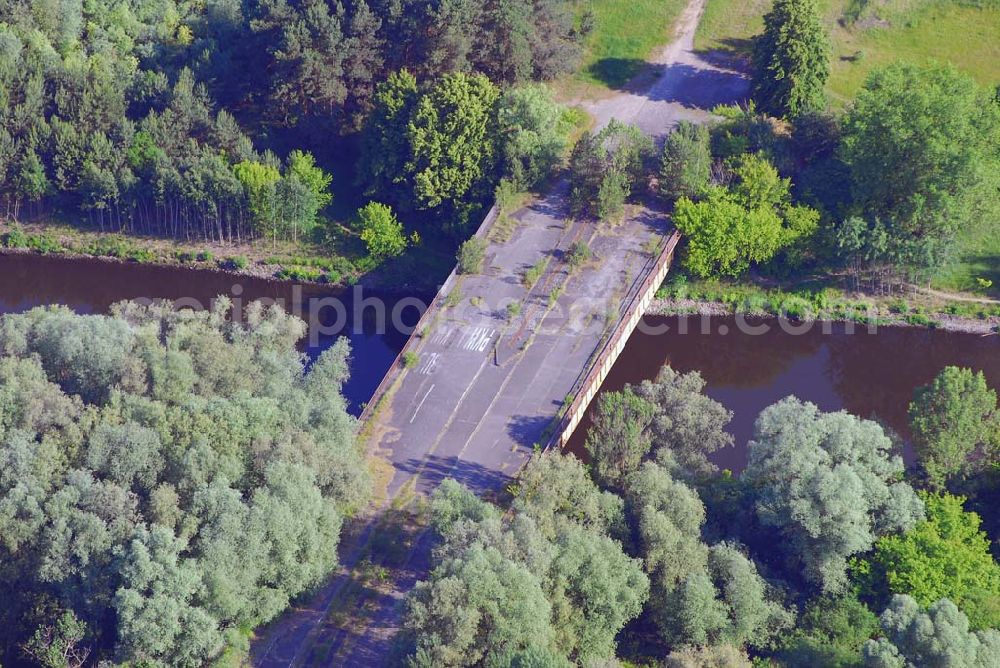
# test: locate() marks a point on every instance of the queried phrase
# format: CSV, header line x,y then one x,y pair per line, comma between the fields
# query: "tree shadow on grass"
x,y
733,53
627,74
985,266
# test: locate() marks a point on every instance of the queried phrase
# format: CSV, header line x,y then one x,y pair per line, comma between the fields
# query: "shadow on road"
x,y
611,71
734,54
527,429
434,469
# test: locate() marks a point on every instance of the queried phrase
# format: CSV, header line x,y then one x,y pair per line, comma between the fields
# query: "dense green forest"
x,y
168,480
215,120
824,552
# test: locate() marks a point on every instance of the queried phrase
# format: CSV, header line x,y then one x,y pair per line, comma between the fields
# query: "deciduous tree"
x,y
939,636
921,144
952,418
381,231
686,162
830,483
944,556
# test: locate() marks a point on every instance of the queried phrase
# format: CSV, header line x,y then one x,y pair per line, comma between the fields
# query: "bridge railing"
x,y
591,379
426,317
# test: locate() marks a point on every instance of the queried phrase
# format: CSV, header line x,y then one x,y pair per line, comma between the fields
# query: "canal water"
x,y
869,374
872,375
92,286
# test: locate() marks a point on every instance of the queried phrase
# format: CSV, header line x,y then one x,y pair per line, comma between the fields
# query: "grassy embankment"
x,y
338,259
334,254
808,300
869,34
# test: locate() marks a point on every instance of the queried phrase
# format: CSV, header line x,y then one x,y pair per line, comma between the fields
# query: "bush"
x,y
533,273
205,256
920,320
471,255
410,359
44,243
301,274
109,246
795,307
578,255
16,238
507,195
454,298
140,255
381,231
236,262
513,310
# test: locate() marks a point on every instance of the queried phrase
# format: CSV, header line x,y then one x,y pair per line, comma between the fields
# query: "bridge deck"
x,y
487,386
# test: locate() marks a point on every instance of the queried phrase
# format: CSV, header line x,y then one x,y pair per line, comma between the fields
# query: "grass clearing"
x,y
978,258
727,26
882,32
625,35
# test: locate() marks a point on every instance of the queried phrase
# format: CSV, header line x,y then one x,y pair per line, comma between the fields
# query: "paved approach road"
x,y
488,383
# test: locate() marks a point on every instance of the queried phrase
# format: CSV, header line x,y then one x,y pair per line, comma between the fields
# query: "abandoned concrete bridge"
x,y
506,360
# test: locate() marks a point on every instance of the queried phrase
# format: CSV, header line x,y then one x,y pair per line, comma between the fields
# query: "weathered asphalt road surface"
x,y
487,385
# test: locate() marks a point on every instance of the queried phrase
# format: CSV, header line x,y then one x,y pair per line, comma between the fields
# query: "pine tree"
x,y
791,60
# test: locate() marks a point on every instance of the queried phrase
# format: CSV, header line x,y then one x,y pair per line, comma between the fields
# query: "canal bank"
x,y
961,316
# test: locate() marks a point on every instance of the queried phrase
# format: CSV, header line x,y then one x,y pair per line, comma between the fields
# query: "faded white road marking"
x,y
470,336
478,339
430,364
420,405
484,340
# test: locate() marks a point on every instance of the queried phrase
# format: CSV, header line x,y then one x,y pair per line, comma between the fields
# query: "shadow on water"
x,y
92,286
869,375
